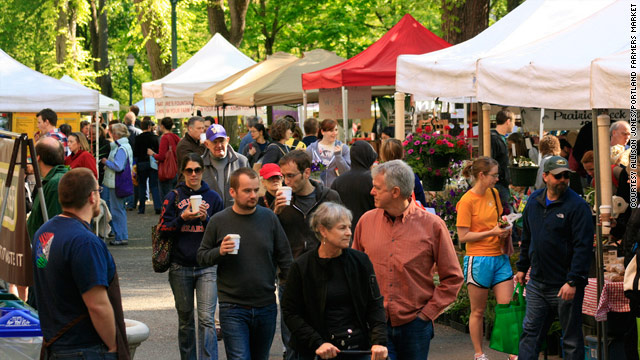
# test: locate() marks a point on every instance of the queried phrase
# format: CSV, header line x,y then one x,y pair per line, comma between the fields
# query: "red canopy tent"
x,y
376,65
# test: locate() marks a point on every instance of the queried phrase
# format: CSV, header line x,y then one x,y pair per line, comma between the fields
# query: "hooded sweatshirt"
x,y
354,186
187,235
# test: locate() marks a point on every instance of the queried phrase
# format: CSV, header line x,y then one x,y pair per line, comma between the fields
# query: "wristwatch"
x,y
571,283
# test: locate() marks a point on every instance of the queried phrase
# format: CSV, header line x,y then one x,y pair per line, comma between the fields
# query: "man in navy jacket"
x,y
557,241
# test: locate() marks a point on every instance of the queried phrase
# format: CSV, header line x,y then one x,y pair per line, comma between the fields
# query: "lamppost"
x,y
174,36
130,62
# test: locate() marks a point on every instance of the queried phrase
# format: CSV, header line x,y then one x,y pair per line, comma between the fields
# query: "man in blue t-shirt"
x,y
73,270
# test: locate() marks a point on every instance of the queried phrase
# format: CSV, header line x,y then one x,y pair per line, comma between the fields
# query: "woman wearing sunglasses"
x,y
185,222
485,266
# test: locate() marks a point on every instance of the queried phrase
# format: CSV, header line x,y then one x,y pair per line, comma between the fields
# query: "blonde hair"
x,y
549,145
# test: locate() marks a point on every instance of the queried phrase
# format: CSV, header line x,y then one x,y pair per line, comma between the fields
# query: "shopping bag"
x,y
162,245
168,169
508,324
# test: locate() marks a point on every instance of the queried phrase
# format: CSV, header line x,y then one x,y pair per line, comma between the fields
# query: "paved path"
x,y
147,297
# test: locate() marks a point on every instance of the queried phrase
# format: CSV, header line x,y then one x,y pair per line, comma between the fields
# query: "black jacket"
x,y
304,300
354,186
144,141
500,153
296,223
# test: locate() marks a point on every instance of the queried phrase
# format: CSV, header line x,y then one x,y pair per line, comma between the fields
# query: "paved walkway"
x,y
147,297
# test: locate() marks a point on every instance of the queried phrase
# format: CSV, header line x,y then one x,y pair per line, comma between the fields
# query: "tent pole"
x,y
304,105
465,122
399,120
486,129
345,113
255,110
541,133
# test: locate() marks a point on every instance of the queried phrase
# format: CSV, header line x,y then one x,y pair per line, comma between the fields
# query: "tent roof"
x,y
451,72
283,86
106,103
555,72
147,107
610,86
214,95
217,60
24,89
376,65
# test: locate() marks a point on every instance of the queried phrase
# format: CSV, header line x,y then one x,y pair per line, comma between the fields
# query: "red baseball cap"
x,y
270,170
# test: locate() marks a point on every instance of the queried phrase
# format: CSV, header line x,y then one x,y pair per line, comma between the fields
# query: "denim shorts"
x,y
486,271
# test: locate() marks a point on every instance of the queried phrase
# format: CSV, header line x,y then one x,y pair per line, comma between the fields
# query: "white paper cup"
x,y
286,190
203,138
236,239
195,201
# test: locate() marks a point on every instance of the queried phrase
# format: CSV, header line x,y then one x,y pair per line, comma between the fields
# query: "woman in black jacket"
x,y
332,301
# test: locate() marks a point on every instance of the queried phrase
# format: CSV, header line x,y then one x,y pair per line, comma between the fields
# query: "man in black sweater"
x,y
144,141
246,280
499,152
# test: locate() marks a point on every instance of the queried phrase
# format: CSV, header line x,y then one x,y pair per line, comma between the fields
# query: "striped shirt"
x,y
405,251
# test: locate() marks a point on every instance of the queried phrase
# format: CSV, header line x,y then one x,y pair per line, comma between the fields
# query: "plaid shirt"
x,y
55,133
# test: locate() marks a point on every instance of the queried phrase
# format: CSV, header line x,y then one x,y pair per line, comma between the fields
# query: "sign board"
x,y
177,108
15,247
564,119
358,97
232,110
27,123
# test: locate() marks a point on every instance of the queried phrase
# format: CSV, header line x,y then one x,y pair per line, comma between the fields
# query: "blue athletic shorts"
x,y
487,271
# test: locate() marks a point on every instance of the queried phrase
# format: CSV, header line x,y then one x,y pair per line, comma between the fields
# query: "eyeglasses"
x,y
496,175
190,171
291,176
563,175
99,190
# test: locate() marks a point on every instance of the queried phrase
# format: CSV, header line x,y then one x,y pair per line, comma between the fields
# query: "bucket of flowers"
x,y
523,172
430,154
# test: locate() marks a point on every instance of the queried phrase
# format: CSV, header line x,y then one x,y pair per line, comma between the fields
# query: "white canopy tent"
x,y
451,73
554,72
106,103
25,90
216,61
610,86
147,107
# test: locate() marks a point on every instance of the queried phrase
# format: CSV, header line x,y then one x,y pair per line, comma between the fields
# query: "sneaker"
x,y
480,357
118,242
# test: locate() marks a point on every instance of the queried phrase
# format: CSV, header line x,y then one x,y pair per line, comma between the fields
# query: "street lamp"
x,y
174,36
130,62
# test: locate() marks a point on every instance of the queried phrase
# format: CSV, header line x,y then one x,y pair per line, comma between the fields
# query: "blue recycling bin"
x,y
20,334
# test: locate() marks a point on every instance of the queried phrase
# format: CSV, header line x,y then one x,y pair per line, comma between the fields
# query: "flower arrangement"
x,y
445,206
317,167
522,161
421,148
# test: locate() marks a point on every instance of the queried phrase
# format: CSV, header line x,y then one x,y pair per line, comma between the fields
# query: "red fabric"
x,y
611,299
376,65
168,139
82,159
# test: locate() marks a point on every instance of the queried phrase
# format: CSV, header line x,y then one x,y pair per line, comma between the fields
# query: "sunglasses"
x,y
190,171
564,175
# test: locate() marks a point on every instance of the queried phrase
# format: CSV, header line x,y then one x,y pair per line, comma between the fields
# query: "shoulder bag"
x,y
161,245
168,169
124,183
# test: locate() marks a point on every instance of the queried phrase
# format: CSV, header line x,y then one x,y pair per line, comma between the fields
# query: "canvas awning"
x,y
610,81
106,103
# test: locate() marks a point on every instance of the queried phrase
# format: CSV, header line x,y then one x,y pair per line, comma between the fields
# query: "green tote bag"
x,y
508,325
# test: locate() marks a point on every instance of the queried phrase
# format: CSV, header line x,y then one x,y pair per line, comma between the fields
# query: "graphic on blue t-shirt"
x,y
42,249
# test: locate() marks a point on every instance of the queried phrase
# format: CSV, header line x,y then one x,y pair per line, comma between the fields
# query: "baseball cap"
x,y
556,165
269,170
215,131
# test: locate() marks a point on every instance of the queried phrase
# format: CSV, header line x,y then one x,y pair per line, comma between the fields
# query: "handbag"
x,y
507,244
507,327
124,183
168,169
161,245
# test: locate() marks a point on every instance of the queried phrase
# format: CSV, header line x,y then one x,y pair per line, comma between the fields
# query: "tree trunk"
x,y
61,31
159,68
99,30
462,20
237,15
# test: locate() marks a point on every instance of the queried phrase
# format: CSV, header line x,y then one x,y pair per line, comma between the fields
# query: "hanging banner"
x,y
232,110
564,119
15,247
174,108
359,98
27,123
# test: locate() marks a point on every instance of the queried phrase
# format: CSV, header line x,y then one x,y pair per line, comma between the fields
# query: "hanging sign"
x,y
358,97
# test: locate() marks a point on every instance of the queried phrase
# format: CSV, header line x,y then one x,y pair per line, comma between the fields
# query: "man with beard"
x,y
77,293
246,276
556,245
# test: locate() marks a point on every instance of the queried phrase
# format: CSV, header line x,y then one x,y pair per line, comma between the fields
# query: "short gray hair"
x,y
119,130
252,121
328,214
396,173
617,125
129,118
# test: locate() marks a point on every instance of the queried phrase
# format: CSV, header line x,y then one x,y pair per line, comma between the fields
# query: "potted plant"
x,y
445,207
430,154
523,172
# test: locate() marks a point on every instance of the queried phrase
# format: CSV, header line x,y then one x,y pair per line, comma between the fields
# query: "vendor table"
x,y
611,299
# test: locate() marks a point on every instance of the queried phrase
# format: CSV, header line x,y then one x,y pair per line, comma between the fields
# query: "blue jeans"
x,y
145,172
96,352
248,332
409,341
166,187
118,216
543,304
184,280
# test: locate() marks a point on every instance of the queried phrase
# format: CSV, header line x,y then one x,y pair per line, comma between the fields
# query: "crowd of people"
x,y
351,252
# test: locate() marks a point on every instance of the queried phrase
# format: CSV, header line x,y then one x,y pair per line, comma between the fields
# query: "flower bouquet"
x,y
317,168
